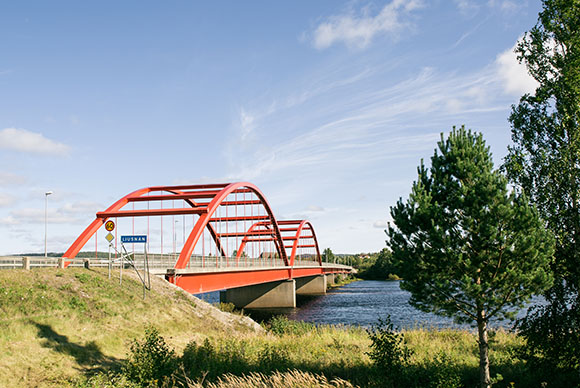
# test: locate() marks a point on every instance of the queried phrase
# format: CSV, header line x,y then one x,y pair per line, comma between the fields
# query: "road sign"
x,y
110,225
109,237
134,239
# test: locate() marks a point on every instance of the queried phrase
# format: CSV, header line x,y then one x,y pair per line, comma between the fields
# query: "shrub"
x,y
150,361
213,360
444,374
388,351
225,307
272,358
281,325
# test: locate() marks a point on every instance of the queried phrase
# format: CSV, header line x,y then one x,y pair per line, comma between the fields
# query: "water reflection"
x,y
360,303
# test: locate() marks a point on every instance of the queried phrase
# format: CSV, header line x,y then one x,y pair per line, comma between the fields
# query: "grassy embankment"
x,y
58,325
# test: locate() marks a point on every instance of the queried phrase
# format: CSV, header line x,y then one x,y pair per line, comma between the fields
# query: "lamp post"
x,y
46,219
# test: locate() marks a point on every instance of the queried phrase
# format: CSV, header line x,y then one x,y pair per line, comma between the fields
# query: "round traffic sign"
x,y
110,225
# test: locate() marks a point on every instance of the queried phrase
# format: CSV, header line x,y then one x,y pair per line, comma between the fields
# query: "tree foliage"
x,y
328,256
382,267
544,162
545,157
465,246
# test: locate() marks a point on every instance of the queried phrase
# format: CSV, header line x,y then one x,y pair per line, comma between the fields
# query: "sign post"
x,y
136,239
110,226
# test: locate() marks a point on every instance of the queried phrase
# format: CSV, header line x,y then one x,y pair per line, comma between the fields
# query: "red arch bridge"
x,y
211,237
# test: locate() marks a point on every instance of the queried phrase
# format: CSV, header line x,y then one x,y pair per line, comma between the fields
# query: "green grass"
x,y
57,324
60,327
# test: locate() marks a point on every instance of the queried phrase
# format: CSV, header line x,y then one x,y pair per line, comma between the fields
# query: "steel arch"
x,y
204,219
215,196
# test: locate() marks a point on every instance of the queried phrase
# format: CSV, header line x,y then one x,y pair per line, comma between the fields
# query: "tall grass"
x,y
320,356
76,327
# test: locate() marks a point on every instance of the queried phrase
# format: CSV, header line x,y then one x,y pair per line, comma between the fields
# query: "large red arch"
x,y
215,195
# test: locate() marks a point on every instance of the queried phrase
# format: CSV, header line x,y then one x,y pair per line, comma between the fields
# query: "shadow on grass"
x,y
89,357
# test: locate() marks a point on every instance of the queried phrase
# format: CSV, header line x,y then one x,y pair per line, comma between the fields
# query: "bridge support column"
x,y
311,285
330,278
266,295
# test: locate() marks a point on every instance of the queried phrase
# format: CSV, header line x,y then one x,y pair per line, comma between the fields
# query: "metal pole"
x,y
123,252
110,262
46,220
175,240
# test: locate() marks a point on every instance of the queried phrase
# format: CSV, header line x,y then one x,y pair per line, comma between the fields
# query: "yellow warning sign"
x,y
109,237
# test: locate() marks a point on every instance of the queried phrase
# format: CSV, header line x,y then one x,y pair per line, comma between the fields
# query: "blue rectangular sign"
x,y
134,239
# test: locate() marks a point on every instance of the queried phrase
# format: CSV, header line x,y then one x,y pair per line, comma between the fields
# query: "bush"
x,y
213,360
272,358
150,361
225,307
444,375
388,351
281,325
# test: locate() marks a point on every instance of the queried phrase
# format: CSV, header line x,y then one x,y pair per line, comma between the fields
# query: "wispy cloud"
x,y
506,6
467,7
6,199
358,29
8,179
69,213
372,125
22,140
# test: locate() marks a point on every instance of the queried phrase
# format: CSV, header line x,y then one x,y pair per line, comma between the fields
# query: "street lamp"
x,y
46,219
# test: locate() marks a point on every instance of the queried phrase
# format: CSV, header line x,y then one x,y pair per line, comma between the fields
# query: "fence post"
x,y
61,263
26,263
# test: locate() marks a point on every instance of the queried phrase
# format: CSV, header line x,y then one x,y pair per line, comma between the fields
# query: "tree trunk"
x,y
484,378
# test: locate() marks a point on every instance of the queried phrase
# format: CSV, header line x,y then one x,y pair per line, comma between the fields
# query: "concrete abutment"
x,y
266,295
311,285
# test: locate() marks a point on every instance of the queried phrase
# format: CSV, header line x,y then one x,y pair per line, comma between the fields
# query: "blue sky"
x,y
327,106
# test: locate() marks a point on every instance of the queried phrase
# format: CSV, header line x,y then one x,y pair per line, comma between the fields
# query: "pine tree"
x,y
465,246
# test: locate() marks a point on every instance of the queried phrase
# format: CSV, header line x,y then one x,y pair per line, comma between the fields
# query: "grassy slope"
x,y
55,324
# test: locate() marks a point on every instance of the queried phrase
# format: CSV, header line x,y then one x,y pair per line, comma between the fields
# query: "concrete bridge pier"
x,y
330,278
266,295
311,285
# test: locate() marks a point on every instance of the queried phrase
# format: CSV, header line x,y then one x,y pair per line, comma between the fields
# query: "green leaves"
x,y
462,242
466,248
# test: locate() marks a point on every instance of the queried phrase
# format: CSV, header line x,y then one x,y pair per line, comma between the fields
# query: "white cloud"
x,y
467,7
6,199
81,208
315,208
508,6
358,31
67,214
11,179
246,123
380,224
36,216
31,142
371,127
515,76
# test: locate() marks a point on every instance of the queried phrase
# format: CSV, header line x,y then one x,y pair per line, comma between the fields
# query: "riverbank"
x,y
60,327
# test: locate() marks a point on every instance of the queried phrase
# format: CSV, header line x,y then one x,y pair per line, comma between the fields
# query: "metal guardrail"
x,y
156,261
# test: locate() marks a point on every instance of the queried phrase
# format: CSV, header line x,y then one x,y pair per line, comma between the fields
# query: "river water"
x,y
360,303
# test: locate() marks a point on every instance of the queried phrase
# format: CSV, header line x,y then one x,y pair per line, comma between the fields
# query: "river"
x,y
360,303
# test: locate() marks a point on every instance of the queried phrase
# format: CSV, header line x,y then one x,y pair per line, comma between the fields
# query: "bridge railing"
x,y
155,261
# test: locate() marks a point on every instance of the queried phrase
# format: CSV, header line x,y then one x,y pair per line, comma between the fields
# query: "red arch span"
x,y
216,194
